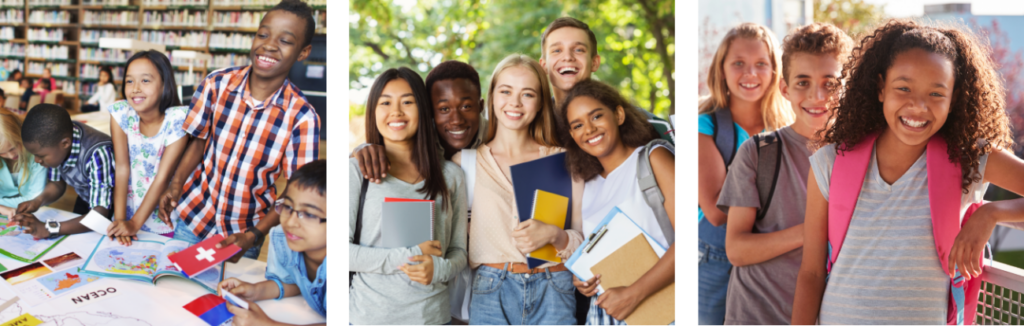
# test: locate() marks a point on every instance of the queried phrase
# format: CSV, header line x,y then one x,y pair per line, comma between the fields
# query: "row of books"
x,y
46,34
229,60
176,38
103,55
94,35
262,2
13,64
93,71
195,18
49,2
56,69
12,16
6,33
105,2
49,17
196,64
95,17
185,78
231,40
12,2
175,2
12,49
238,18
47,51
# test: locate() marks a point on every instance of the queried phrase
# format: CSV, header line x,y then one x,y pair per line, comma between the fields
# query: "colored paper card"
x,y
96,222
198,258
233,299
23,320
549,208
210,308
624,267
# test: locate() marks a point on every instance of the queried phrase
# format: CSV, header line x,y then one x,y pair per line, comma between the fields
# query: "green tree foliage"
x,y
853,16
422,34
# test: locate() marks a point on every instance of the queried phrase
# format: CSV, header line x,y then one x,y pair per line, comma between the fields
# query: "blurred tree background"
x,y
636,40
855,17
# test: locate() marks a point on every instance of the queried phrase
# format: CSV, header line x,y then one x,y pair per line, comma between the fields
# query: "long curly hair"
x,y
975,113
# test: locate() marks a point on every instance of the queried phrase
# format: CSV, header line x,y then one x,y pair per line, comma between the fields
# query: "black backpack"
x,y
358,223
769,152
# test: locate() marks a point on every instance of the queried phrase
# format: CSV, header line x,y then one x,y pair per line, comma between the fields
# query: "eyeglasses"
x,y
287,210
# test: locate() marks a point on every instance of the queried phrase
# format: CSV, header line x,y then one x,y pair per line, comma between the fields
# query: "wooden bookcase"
x,y
79,19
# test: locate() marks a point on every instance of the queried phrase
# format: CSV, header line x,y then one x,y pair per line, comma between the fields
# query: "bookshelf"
x,y
64,36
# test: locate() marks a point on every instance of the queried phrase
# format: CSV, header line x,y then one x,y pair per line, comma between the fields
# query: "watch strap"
x,y
255,231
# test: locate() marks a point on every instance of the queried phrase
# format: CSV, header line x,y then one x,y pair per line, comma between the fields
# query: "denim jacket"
x,y
287,267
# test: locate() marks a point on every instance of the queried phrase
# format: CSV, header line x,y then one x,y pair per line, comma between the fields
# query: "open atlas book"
x,y
146,260
23,247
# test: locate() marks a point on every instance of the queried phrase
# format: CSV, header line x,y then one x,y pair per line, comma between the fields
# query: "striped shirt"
x,y
888,271
99,168
248,145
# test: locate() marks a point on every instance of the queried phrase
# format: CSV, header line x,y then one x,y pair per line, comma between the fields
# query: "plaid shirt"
x,y
100,170
247,147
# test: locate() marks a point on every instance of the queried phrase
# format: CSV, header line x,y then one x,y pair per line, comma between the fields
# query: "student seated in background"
x,y
15,75
21,178
41,88
105,94
249,125
766,250
297,262
47,76
407,285
454,88
75,155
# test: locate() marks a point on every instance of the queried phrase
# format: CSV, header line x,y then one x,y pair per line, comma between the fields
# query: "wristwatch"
x,y
256,232
53,227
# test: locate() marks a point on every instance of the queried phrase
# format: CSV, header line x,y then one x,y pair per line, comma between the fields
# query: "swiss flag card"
x,y
200,257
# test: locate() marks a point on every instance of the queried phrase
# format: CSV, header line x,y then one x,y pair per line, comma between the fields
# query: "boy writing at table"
x,y
250,124
297,263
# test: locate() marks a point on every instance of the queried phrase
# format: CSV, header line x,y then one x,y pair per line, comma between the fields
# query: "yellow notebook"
x,y
549,208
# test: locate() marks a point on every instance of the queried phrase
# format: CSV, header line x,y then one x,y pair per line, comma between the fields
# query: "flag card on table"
x,y
548,174
202,256
210,308
406,222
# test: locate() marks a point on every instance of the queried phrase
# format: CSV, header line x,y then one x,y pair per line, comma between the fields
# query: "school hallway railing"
x,y
1001,299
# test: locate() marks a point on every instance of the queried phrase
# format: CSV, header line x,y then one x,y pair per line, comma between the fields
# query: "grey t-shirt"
x,y
380,292
762,294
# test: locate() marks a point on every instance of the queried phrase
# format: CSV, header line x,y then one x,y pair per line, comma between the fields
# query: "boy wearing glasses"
x,y
297,261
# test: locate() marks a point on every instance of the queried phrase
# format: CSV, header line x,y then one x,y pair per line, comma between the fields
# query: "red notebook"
x,y
202,256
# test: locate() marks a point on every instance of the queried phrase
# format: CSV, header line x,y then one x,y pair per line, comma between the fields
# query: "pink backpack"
x,y
943,196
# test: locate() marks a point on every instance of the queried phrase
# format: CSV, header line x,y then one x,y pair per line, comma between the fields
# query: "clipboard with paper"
x,y
615,231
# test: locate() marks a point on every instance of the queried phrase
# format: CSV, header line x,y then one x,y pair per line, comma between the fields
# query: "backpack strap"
x,y
769,163
844,189
649,186
469,167
725,135
359,221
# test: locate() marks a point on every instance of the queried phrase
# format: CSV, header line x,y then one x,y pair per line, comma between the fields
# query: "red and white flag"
x,y
200,257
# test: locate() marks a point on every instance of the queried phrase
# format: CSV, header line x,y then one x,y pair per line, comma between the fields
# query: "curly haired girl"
x,y
906,83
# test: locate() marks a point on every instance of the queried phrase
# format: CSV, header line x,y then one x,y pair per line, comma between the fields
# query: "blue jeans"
x,y
183,233
713,283
503,298
597,317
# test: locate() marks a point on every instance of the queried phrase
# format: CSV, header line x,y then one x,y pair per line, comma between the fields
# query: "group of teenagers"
x,y
906,128
191,171
441,140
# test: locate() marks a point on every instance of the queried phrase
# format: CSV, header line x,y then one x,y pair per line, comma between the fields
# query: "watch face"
x,y
52,224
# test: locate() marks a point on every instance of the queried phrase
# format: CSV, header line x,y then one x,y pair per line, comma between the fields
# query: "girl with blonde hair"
x,y
521,129
745,98
21,178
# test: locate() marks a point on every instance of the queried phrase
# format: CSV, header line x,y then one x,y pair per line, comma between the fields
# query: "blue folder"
x,y
547,174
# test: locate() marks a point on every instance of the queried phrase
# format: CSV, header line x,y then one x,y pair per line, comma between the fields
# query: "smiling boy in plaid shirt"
x,y
250,124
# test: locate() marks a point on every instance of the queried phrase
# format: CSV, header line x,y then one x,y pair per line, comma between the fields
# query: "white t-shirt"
x,y
620,189
105,96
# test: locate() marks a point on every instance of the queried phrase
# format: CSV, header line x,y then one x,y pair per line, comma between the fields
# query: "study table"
x,y
135,302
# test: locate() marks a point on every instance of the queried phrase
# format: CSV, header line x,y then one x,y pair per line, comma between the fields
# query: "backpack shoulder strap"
x,y
943,196
844,188
649,187
469,167
769,162
359,221
725,135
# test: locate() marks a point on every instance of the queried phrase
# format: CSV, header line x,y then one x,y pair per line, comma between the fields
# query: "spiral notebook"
x,y
406,222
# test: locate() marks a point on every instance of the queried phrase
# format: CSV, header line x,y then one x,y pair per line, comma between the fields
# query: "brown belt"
x,y
521,268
